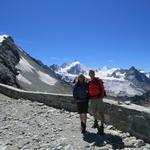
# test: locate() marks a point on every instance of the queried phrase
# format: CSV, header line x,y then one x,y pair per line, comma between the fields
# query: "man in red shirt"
x,y
96,93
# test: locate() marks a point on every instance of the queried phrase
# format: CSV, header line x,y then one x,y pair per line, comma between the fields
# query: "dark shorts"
x,y
82,107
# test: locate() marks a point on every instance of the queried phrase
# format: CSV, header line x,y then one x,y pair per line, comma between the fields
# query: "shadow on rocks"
x,y
102,140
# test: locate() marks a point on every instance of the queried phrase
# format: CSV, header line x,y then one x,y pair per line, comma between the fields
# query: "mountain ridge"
x,y
120,83
19,69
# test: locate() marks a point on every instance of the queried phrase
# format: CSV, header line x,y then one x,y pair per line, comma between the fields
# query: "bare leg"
x,y
84,118
81,118
95,115
102,118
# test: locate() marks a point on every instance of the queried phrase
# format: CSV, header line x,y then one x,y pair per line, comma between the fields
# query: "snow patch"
x,y
2,38
46,78
23,79
25,66
147,74
105,73
121,75
142,71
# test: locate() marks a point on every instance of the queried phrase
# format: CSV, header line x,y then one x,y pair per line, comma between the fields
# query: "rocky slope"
x,y
19,69
27,125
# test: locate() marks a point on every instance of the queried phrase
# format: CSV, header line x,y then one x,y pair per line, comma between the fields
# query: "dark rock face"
x,y
64,65
9,58
136,75
77,69
138,78
54,67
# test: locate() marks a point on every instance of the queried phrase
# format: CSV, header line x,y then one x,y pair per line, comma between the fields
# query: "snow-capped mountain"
x,y
74,68
68,72
19,69
117,82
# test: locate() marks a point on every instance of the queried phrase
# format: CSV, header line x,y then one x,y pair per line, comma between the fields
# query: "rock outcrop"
x,y
19,69
9,58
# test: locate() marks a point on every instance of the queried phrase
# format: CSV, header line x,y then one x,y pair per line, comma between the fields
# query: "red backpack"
x,y
96,88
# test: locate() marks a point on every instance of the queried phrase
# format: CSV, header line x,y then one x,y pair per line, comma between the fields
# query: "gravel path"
x,y
30,125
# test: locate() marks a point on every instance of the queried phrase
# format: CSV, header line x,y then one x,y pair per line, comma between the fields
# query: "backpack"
x,y
96,88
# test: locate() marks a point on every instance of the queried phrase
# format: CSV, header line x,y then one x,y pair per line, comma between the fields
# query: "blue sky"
x,y
113,33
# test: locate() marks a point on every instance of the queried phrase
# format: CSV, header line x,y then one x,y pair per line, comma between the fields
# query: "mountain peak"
x,y
75,62
55,67
2,37
6,37
137,77
133,68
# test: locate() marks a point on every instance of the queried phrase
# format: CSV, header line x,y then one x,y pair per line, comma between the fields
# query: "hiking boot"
x,y
83,128
100,130
95,125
